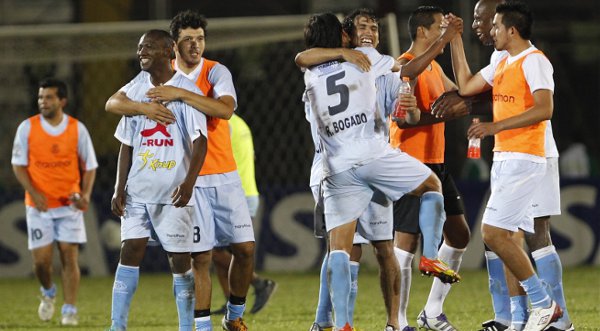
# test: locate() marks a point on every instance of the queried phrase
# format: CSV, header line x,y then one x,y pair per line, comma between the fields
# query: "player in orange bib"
x,y
522,88
54,160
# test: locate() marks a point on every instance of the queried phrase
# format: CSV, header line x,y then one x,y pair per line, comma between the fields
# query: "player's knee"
x,y
243,250
456,232
431,184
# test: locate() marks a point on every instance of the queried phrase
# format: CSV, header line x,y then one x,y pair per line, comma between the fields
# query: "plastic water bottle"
x,y
474,151
400,112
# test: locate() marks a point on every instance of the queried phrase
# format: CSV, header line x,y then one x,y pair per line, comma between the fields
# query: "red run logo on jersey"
x,y
156,142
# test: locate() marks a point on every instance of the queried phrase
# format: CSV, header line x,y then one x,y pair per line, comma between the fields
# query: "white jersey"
x,y
161,155
343,99
387,94
219,77
538,73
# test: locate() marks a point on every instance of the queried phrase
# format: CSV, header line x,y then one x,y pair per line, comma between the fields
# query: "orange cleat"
x,y
235,325
439,269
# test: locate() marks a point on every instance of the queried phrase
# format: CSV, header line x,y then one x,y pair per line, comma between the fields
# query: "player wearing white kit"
x,y
157,170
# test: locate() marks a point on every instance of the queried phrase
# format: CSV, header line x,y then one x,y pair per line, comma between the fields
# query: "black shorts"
x,y
406,210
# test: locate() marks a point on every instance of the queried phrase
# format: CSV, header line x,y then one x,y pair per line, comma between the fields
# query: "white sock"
x,y
435,302
405,262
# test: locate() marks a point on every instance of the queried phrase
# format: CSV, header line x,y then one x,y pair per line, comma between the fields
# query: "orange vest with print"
x,y
425,143
219,155
511,97
53,163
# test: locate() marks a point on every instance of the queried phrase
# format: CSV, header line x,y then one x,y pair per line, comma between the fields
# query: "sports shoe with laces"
x,y
46,308
438,269
235,325
315,327
69,319
439,323
540,318
262,293
553,328
492,325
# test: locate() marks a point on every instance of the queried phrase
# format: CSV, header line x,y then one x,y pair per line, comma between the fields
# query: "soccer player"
x,y
547,202
425,141
221,211
157,170
357,162
243,152
54,160
522,88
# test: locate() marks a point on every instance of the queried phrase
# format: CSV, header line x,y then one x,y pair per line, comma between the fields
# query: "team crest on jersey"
x,y
150,138
54,149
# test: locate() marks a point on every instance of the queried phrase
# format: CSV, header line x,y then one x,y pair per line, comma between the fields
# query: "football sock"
x,y
405,262
354,266
536,292
235,307
435,302
338,269
498,288
518,310
126,281
431,222
323,315
549,269
183,289
203,323
68,309
51,292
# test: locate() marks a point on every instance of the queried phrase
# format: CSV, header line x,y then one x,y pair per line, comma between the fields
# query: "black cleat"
x,y
492,325
262,293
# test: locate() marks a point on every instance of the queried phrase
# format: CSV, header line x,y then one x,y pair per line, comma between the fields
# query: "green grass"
x,y
292,307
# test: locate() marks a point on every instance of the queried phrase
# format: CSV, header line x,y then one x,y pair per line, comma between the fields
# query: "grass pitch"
x,y
292,306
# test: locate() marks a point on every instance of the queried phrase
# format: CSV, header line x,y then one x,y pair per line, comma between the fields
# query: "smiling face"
x,y
482,21
150,51
366,32
190,46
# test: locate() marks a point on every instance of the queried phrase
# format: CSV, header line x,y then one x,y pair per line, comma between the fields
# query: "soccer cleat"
x,y
235,325
492,325
346,327
46,308
315,327
391,328
540,318
438,269
409,328
220,311
262,294
553,328
69,319
439,323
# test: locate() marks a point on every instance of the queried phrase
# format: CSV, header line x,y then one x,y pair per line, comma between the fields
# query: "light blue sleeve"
x,y
222,82
85,148
20,151
125,130
387,92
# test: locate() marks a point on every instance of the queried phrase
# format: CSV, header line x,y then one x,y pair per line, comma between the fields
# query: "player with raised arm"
x,y
157,170
522,88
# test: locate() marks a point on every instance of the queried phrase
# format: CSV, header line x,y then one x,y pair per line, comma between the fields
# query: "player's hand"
x,y
182,195
450,105
157,112
78,201
164,93
117,203
39,200
453,26
357,58
482,129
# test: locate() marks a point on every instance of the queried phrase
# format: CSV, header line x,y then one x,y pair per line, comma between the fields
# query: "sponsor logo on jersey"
x,y
346,123
55,164
154,164
156,142
504,98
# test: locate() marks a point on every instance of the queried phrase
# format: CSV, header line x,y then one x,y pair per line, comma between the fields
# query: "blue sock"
x,y
183,290
536,292
323,315
549,270
354,266
498,288
203,323
126,281
518,310
51,292
338,269
431,222
234,311
68,309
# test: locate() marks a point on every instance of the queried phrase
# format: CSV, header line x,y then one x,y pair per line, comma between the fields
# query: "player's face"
x,y
367,32
482,22
499,33
49,103
190,45
149,52
435,30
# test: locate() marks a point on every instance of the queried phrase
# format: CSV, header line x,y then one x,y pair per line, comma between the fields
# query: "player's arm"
x,y
468,84
182,194
123,165
222,107
82,201
39,200
120,104
543,106
314,56
413,113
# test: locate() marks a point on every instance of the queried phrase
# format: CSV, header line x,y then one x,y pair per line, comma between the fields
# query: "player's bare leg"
x,y
389,279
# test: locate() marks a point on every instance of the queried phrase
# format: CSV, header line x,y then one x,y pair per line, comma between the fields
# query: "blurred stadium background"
x,y
92,44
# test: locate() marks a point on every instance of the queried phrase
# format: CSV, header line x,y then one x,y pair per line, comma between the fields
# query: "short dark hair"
x,y
165,37
323,30
61,87
348,23
187,19
422,16
516,14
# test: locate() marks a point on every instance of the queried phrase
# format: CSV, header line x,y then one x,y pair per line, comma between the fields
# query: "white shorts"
x,y
347,194
513,183
221,217
171,225
43,230
546,199
253,203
